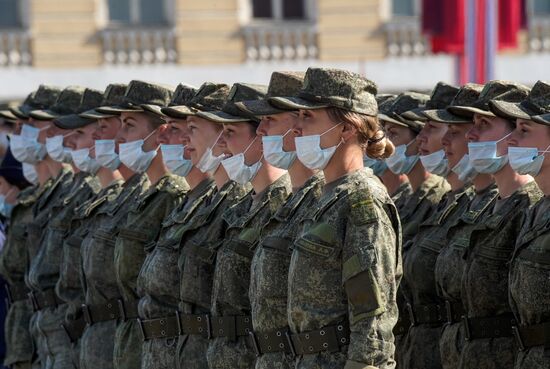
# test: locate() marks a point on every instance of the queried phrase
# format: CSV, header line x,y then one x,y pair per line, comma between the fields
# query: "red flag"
x,y
510,14
451,37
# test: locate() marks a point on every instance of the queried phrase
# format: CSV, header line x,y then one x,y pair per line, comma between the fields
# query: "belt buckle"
x,y
288,337
411,314
121,310
87,314
467,331
141,328
255,344
517,335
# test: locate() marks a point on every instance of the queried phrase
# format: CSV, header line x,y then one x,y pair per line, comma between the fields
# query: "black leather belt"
x,y
128,309
454,311
331,339
98,313
489,327
528,336
273,341
16,292
44,299
167,327
427,314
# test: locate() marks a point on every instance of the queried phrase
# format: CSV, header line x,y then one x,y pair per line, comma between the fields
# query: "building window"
x,y
142,12
405,7
10,14
279,9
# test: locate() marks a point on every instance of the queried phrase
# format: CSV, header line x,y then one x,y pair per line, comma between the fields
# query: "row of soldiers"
x,y
236,227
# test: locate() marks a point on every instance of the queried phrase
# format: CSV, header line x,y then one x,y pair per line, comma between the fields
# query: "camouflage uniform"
x,y
110,210
196,267
138,234
269,270
232,275
14,261
485,283
529,286
448,274
402,195
421,343
344,270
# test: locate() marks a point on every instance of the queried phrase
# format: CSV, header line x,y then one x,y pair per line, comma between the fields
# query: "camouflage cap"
x,y
391,110
382,98
325,87
536,103
140,95
542,119
282,84
209,97
493,90
112,96
8,116
41,99
181,96
67,103
466,96
230,113
91,99
440,97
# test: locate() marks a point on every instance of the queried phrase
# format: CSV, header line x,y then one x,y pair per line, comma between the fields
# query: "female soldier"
x,y
529,287
345,264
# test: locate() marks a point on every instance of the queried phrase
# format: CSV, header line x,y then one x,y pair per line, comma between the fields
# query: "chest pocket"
x,y
536,246
319,240
105,237
496,251
279,245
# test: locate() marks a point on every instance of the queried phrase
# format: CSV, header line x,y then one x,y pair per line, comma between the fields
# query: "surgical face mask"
x,y
436,163
25,147
30,174
172,156
208,163
5,208
237,170
274,153
526,160
106,155
83,161
378,166
56,150
483,156
310,153
132,155
399,162
465,170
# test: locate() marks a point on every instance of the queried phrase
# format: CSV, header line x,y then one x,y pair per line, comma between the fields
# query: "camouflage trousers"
x,y
533,358
450,345
19,345
22,365
191,352
96,346
224,353
127,345
54,349
421,348
490,353
275,360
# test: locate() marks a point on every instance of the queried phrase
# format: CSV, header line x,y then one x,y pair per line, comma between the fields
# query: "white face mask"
x,y
83,161
237,170
56,150
378,166
483,156
274,153
30,174
172,156
310,153
436,163
25,147
132,155
106,155
527,160
399,162
208,163
465,170
5,208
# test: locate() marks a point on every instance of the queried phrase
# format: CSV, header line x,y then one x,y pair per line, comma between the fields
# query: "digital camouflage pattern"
x,y
393,110
402,195
42,98
269,270
232,272
449,268
14,261
345,267
485,278
421,343
196,267
440,97
139,93
159,277
530,280
135,237
536,103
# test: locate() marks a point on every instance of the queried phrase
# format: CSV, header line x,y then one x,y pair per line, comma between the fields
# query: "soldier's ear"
x,y
348,131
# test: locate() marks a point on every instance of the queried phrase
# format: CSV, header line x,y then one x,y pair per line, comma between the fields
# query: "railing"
x,y
143,46
539,34
404,37
15,48
280,40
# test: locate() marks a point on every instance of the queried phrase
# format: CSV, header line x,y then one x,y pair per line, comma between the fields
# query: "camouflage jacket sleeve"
x,y
370,274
